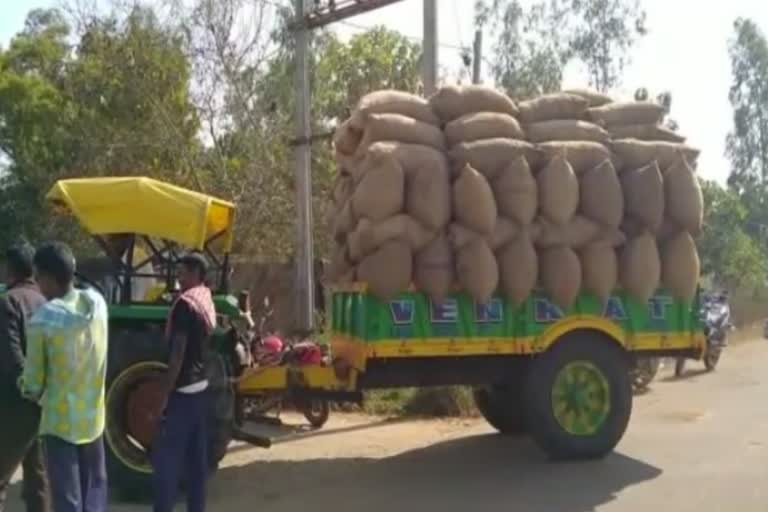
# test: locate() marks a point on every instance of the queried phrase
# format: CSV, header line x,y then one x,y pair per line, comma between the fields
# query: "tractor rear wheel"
x,y
578,397
135,368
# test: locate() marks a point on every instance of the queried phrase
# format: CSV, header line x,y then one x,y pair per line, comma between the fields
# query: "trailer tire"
x,y
578,397
502,408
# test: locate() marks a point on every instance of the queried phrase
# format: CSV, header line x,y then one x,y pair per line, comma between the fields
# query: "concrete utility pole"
x,y
305,279
306,20
430,47
477,58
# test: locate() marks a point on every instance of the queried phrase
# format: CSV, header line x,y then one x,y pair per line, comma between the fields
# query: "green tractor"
x,y
144,226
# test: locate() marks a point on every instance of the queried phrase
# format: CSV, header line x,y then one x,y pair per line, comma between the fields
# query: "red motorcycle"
x,y
264,349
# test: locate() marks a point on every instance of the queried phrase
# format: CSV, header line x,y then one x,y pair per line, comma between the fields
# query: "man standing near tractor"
x,y
180,443
65,372
19,436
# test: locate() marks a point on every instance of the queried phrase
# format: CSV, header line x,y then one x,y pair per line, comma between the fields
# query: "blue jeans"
x,y
77,475
180,452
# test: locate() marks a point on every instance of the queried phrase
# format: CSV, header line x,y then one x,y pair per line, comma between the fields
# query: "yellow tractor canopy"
x,y
110,206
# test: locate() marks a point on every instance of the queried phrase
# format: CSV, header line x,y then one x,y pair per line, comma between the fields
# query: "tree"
x,y
534,45
529,60
252,126
115,102
747,144
728,254
603,35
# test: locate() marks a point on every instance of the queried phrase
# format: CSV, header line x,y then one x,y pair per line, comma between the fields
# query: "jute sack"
x,y
482,125
641,112
650,132
560,275
582,156
599,269
339,267
492,156
381,190
684,199
452,102
343,188
473,202
566,130
346,139
600,195
595,99
680,266
516,192
640,267
477,270
434,270
369,236
558,190
504,231
459,236
427,181
644,195
347,164
667,230
576,233
398,102
387,271
344,223
631,153
518,269
378,127
553,106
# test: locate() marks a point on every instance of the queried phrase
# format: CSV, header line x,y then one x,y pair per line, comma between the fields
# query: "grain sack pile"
x,y
393,197
662,199
468,190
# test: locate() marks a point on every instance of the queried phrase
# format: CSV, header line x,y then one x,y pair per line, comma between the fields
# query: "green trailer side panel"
x,y
413,316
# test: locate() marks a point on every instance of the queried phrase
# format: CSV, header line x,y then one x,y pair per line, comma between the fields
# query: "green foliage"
x,y
115,103
535,43
728,253
747,144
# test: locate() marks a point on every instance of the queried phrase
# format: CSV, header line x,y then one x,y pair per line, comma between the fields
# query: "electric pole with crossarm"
x,y
311,14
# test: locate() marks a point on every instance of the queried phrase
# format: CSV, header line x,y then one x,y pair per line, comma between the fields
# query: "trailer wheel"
x,y
578,397
502,408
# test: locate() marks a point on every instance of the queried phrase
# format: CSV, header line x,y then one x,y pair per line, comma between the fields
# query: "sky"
x,y
685,52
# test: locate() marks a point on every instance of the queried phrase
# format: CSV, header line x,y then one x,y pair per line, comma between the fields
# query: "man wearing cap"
x,y
179,449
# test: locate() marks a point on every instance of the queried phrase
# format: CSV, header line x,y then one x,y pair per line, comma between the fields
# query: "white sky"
x,y
685,52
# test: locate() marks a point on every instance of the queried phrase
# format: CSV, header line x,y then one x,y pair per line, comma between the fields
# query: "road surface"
x,y
700,444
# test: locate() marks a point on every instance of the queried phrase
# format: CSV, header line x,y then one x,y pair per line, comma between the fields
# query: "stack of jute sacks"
x,y
392,197
468,190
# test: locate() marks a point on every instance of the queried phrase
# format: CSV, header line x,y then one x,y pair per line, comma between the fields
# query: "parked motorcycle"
x,y
716,315
265,349
644,372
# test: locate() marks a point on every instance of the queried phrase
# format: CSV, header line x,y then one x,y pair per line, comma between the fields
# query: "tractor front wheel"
x,y
136,368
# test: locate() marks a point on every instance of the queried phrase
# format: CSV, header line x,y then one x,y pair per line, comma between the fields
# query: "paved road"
x,y
700,445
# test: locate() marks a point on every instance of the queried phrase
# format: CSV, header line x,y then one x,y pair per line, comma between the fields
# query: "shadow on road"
x,y
287,432
687,375
480,473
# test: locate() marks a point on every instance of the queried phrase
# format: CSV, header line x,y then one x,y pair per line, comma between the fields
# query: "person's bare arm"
x,y
176,359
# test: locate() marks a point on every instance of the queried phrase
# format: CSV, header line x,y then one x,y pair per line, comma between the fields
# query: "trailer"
x,y
562,377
